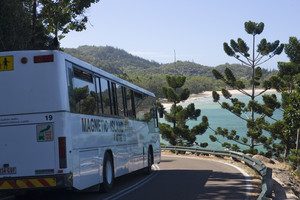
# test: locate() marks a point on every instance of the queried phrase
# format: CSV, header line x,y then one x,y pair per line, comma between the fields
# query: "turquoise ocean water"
x,y
223,118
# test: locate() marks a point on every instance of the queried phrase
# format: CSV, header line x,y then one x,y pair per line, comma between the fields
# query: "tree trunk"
x,y
33,23
287,149
174,122
297,142
285,153
253,90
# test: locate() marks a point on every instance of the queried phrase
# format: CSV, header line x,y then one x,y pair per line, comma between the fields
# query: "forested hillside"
x,y
110,59
151,75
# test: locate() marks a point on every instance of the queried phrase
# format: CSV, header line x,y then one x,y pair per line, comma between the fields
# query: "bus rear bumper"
x,y
11,184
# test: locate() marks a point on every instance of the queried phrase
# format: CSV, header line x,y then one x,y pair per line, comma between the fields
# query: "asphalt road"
x,y
176,178
188,179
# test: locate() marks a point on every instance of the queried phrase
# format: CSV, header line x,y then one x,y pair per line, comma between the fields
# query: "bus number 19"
x,y
49,117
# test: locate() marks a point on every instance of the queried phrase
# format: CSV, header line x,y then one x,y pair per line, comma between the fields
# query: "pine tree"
x,y
288,83
179,133
255,123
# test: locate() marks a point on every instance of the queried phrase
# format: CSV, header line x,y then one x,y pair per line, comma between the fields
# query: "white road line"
x,y
247,177
135,186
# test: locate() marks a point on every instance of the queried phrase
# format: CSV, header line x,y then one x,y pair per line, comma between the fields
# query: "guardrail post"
x,y
269,182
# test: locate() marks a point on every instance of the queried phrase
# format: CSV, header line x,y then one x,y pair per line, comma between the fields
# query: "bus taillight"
x,y
45,58
62,152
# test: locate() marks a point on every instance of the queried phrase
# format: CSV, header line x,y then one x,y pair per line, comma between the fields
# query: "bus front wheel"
x,y
108,173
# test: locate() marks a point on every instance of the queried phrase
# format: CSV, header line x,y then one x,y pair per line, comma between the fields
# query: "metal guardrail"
x,y
266,173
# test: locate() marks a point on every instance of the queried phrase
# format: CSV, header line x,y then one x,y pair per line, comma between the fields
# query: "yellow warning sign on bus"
x,y
6,63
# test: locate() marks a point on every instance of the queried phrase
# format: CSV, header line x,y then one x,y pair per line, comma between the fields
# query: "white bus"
x,y
67,124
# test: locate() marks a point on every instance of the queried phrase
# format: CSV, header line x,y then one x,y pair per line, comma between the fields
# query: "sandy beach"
x,y
207,94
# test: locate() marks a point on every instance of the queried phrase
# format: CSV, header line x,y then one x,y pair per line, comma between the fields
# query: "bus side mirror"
x,y
161,112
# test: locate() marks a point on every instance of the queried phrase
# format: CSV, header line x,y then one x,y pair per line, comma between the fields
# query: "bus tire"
x,y
148,169
108,173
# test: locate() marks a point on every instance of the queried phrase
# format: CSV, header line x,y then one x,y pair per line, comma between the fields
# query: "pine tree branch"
x,y
260,93
237,141
273,119
250,61
257,56
262,116
243,91
242,143
243,61
258,59
256,145
215,137
233,113
246,115
214,132
238,116
247,58
271,56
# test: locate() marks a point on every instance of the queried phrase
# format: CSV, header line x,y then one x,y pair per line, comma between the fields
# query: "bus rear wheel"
x,y
148,169
108,173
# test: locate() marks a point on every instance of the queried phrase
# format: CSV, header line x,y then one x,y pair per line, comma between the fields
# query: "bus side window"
x,y
145,108
130,112
70,76
85,93
125,101
138,101
120,102
132,104
99,96
105,93
114,99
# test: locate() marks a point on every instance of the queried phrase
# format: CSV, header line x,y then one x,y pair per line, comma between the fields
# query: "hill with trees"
x,y
110,59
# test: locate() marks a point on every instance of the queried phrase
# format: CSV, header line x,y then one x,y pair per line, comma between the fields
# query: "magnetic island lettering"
x,y
100,125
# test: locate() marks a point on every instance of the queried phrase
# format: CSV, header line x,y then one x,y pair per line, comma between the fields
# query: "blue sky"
x,y
195,29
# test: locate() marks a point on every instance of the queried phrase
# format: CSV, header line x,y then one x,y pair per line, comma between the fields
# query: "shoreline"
x,y
207,94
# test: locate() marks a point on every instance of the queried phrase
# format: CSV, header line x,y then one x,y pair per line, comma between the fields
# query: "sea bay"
x,y
223,118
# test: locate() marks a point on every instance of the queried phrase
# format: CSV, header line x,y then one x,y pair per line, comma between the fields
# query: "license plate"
x,y
6,63
8,170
